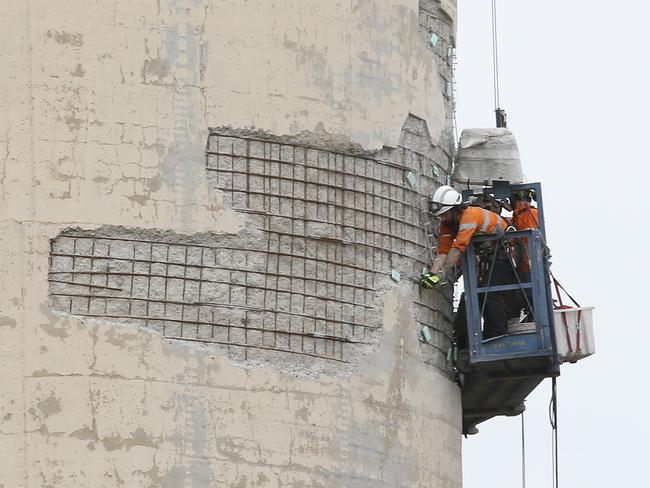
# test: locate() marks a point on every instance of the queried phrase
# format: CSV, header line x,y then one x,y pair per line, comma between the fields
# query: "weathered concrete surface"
x,y
133,87
108,106
361,78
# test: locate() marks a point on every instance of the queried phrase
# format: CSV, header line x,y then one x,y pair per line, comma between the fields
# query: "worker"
x,y
524,217
459,223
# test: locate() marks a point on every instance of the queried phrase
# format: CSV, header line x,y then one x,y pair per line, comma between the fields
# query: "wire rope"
x,y
552,411
523,452
495,56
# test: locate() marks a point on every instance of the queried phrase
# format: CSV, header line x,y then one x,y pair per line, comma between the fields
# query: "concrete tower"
x,y
213,225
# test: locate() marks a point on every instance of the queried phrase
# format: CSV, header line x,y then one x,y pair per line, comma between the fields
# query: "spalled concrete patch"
x,y
325,228
324,231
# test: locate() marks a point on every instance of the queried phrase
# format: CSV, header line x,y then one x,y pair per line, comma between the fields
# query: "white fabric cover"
x,y
487,155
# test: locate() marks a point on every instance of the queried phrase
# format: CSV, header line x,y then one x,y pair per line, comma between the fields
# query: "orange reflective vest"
x,y
525,217
473,220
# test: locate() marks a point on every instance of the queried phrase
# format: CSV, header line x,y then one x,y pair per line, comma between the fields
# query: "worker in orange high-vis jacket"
x,y
524,217
459,223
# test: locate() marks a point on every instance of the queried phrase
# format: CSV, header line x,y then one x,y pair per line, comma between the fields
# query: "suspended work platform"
x,y
497,373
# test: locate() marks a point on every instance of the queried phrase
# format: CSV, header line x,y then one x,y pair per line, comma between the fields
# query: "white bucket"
x,y
574,333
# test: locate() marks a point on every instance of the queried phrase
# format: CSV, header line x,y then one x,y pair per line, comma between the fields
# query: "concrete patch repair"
x,y
326,231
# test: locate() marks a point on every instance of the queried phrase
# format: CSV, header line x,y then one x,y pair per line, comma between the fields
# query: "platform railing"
x,y
533,286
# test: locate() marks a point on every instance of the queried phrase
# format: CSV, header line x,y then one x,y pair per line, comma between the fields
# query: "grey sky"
x,y
574,82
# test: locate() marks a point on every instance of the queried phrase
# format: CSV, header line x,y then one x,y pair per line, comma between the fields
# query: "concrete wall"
x,y
108,138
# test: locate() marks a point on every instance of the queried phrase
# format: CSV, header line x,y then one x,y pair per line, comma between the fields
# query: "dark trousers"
x,y
493,305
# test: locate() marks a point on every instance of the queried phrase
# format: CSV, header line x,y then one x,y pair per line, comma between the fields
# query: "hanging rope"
x,y
523,452
559,287
552,412
495,56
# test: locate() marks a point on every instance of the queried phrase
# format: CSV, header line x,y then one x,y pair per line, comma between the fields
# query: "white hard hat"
x,y
446,197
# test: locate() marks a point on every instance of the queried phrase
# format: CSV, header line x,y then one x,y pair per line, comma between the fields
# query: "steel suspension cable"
x,y
523,452
495,56
552,407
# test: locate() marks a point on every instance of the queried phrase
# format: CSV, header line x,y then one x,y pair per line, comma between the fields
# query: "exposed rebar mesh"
x,y
325,229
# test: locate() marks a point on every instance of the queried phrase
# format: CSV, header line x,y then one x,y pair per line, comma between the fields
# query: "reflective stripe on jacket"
x,y
473,220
